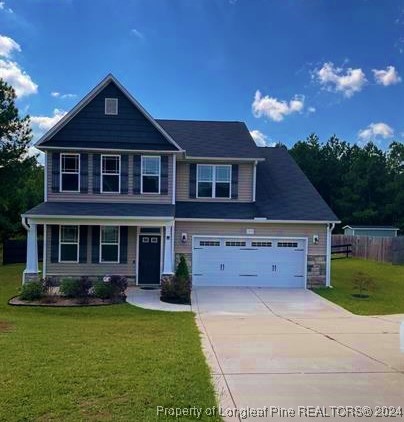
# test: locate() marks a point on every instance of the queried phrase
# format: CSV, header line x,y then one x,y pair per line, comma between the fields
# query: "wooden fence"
x,y
383,249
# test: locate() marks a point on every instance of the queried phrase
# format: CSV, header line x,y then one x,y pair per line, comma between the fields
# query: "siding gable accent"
x,y
54,243
192,180
83,244
164,175
83,173
123,245
124,173
55,172
95,244
96,173
137,164
234,181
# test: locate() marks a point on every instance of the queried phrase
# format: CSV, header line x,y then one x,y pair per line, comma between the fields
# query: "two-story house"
x,y
128,194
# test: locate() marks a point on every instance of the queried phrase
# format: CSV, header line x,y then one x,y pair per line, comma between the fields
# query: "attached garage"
x,y
249,261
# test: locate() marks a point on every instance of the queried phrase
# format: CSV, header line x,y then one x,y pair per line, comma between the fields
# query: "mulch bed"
x,y
62,302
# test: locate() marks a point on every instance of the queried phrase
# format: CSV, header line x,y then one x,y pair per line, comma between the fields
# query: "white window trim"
x,y
213,181
110,174
61,172
69,243
141,175
105,107
118,244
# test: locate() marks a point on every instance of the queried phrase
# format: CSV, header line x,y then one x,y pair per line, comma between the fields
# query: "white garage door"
x,y
269,262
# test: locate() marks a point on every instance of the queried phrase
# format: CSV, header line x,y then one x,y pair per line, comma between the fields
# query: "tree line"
x,y
362,184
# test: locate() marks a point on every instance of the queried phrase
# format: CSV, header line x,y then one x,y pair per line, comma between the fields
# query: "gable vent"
x,y
111,106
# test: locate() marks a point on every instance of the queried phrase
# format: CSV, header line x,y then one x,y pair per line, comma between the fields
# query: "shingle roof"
x,y
212,138
101,209
284,192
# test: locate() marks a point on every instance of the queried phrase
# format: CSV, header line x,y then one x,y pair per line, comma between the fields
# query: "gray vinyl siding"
x,y
104,197
261,229
245,184
370,232
90,269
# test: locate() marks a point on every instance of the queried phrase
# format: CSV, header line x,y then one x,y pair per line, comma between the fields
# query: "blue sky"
x,y
286,68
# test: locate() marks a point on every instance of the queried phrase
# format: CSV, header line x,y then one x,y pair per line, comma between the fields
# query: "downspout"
x,y
330,228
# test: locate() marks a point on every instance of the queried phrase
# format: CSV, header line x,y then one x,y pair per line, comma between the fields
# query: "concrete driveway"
x,y
289,348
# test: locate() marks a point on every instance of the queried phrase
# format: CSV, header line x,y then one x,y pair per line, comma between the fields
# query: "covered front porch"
x,y
139,247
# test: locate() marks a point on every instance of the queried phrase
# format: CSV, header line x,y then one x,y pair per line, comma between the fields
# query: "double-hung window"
x,y
110,173
69,172
109,244
213,181
69,244
151,174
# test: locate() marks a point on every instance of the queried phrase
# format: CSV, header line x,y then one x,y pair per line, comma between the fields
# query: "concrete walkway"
x,y
291,348
150,299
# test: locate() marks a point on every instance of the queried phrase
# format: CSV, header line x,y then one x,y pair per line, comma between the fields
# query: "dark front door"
x,y
149,259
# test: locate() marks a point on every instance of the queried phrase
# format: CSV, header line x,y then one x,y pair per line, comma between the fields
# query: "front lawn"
x,y
101,363
387,297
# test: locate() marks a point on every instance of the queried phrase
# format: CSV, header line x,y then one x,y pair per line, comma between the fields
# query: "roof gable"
x,y
87,125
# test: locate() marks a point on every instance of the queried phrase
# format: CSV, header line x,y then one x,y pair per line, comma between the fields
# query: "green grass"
x,y
102,363
387,296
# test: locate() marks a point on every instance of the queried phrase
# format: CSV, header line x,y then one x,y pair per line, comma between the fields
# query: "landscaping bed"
x,y
383,284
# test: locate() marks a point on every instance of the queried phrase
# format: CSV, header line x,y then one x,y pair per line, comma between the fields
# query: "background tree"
x,y
21,176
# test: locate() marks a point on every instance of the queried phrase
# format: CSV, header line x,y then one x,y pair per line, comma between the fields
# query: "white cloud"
x,y
41,124
376,130
7,46
259,137
311,109
5,8
336,79
275,109
62,96
22,83
386,77
137,33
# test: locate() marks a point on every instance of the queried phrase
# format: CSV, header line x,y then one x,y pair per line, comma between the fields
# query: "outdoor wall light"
x,y
315,239
184,237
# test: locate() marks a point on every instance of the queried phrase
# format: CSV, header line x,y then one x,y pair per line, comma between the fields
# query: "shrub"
x,y
48,283
363,283
103,290
177,289
76,288
119,284
32,291
182,271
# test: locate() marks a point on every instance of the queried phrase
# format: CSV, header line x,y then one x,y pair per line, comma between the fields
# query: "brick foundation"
x,y
316,270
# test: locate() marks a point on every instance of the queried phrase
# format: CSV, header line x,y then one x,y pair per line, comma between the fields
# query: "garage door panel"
x,y
274,262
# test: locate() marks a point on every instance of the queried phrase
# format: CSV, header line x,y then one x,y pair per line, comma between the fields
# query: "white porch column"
x,y
31,269
168,250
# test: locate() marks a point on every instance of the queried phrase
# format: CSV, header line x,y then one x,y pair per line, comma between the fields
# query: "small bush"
x,y
48,284
177,289
103,290
76,288
32,291
119,284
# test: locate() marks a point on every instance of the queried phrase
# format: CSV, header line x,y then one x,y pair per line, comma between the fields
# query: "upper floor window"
x,y
69,244
151,174
110,173
70,172
109,244
213,181
111,106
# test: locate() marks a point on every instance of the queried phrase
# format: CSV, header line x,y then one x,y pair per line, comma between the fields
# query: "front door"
x,y
149,259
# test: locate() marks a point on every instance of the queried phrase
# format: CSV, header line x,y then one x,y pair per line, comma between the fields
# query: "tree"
x,y
21,177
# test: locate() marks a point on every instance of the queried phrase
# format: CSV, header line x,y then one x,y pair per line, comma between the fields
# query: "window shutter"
x,y
192,180
83,244
124,174
95,244
234,181
54,244
55,171
96,173
136,174
164,175
123,245
83,173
